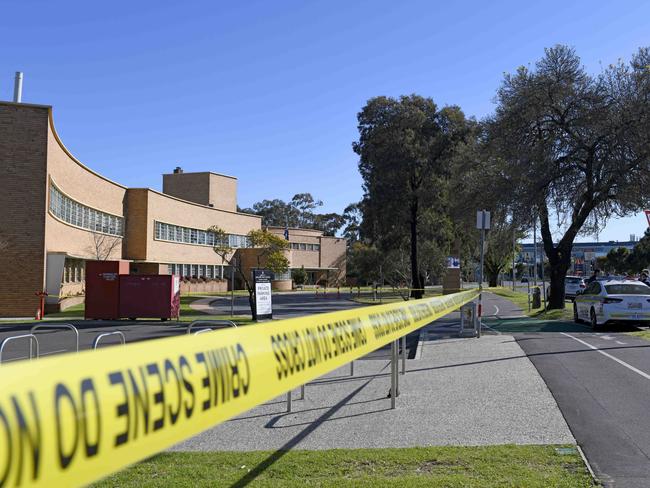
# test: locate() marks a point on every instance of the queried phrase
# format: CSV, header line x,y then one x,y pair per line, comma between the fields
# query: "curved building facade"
x,y
55,213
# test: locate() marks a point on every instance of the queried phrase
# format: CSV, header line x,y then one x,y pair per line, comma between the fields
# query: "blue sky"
x,y
269,91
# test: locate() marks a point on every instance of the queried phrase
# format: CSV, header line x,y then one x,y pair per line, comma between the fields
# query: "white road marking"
x,y
619,361
607,337
621,343
496,312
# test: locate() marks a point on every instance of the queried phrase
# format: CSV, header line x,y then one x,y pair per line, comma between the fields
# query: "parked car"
x,y
524,279
609,301
573,285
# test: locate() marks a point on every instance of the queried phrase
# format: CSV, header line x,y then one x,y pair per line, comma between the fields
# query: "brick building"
x,y
57,213
323,257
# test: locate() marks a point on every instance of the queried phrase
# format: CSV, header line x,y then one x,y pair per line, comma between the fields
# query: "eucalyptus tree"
x,y
574,148
404,147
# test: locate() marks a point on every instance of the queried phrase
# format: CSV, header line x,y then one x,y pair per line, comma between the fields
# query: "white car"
x,y
573,285
608,301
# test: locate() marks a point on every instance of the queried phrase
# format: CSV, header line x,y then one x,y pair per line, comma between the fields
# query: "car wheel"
x,y
594,320
576,318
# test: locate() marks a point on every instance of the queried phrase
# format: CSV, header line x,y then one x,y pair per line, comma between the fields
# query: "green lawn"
x,y
643,334
387,296
187,314
490,466
520,299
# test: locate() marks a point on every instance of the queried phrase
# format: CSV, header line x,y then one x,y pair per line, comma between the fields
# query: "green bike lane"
x,y
600,379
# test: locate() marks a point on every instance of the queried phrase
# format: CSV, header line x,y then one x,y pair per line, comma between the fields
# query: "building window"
x,y
209,271
282,276
300,246
73,270
80,215
187,235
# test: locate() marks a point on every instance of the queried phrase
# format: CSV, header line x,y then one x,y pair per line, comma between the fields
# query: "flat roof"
x,y
200,173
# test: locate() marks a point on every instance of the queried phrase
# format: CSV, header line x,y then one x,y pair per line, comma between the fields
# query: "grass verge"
x,y
188,314
520,299
643,334
486,466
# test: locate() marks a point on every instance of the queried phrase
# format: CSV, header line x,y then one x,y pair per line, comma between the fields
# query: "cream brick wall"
x,y
86,187
204,188
332,250
163,208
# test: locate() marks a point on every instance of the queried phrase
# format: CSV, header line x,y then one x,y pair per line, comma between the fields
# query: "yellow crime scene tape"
x,y
71,419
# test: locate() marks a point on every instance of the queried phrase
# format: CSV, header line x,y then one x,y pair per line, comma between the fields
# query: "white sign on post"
x,y
263,305
263,299
483,219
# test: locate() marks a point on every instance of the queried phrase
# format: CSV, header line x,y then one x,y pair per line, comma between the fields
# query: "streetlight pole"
x,y
514,249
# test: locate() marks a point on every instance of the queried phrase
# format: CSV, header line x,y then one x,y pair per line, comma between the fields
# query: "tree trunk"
x,y
493,279
559,258
416,291
559,263
556,298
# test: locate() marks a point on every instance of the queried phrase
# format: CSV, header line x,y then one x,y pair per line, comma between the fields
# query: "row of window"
x,y
187,235
199,270
301,246
82,216
73,271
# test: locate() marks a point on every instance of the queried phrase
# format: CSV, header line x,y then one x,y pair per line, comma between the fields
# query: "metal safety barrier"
x,y
58,326
302,397
394,371
201,331
31,337
222,323
109,334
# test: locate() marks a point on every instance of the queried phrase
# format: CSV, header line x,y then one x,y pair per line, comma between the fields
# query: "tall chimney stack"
x,y
18,87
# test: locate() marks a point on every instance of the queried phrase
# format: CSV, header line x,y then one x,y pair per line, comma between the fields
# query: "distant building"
x,y
583,255
323,257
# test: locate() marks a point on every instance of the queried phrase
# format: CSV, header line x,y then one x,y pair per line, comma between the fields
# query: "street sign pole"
x,y
232,287
535,252
480,283
514,250
482,223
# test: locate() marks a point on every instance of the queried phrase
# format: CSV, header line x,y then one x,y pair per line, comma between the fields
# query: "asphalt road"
x,y
60,341
601,384
600,381
287,305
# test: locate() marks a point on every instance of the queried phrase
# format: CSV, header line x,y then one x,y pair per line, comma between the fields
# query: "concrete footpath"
x,y
455,392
